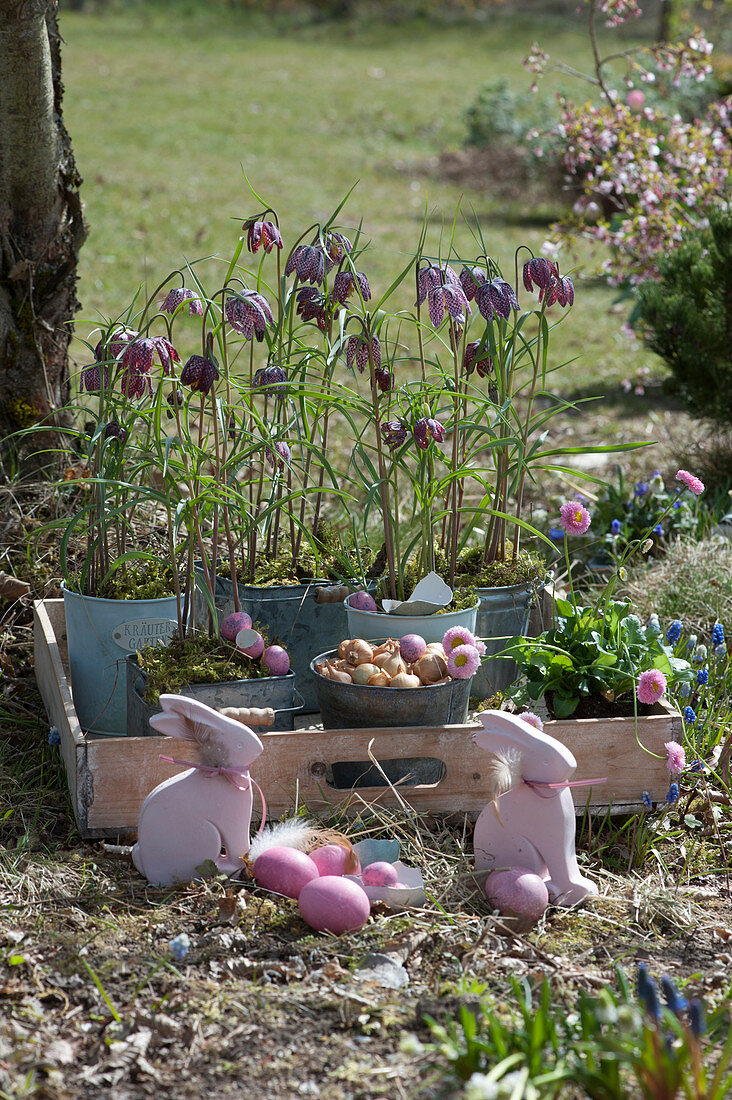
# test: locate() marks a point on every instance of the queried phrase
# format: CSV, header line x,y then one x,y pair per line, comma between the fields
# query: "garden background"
x,y
168,107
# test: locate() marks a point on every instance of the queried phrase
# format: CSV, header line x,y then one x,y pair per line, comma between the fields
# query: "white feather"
x,y
296,832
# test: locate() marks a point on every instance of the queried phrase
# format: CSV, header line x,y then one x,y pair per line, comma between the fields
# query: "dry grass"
x,y
691,582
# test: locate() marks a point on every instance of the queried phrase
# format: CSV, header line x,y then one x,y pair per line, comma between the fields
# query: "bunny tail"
x,y
296,832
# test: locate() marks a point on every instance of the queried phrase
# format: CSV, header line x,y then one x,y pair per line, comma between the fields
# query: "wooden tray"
x,y
109,777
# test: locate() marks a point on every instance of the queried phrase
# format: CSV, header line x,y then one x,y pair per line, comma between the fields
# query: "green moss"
x,y
527,568
198,659
148,580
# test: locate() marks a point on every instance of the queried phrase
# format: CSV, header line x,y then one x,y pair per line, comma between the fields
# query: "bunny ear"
x,y
184,718
503,730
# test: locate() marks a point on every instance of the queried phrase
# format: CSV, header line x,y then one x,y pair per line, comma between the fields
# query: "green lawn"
x,y
167,105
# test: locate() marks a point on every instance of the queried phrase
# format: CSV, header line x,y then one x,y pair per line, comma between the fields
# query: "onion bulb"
x,y
404,680
391,663
338,674
357,651
430,668
379,680
361,674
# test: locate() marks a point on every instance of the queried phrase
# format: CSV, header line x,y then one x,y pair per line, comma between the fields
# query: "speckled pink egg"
x,y
334,904
276,661
380,874
232,624
412,647
330,859
362,601
519,893
255,647
284,870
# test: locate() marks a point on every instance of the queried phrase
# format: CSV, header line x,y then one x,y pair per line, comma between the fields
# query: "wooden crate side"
x,y
121,772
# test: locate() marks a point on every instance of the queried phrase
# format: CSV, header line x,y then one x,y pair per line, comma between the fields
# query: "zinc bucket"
x,y
503,614
100,634
376,625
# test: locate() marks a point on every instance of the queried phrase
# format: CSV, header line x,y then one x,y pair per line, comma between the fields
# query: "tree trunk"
x,y
41,221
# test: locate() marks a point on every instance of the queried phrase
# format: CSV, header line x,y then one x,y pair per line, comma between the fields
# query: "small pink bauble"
x,y
334,904
284,870
362,601
232,624
330,859
276,661
517,892
635,99
380,874
412,647
255,648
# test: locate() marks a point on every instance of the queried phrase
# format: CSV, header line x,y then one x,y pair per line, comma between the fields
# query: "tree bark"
x,y
42,226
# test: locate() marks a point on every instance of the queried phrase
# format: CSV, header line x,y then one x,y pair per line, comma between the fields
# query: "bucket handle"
x,y
139,686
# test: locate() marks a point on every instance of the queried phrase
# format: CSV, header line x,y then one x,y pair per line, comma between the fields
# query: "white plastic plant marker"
x,y
429,596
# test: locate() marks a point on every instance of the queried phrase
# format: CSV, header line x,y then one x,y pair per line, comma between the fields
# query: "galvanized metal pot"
x,y
503,614
377,625
100,634
277,692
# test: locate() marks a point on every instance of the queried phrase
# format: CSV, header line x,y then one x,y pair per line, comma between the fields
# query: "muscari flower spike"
x,y
689,715
615,527
673,794
177,297
674,1000
262,234
248,312
717,634
179,947
674,631
496,297
646,800
647,992
425,430
702,676
199,374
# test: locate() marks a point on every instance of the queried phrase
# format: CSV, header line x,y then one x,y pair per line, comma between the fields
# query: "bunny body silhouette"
x,y
194,816
529,826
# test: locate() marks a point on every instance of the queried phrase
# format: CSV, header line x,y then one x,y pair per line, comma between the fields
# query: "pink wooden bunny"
x,y
530,821
190,818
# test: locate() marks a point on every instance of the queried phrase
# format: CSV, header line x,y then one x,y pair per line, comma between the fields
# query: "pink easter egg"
x,y
362,601
380,874
276,661
412,647
635,99
330,859
284,870
519,893
334,904
255,648
232,624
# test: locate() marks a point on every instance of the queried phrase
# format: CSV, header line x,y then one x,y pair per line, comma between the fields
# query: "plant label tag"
x,y
137,633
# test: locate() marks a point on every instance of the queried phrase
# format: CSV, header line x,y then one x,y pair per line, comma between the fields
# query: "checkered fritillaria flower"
x,y
471,279
179,296
112,346
175,400
308,263
278,455
384,379
427,429
346,283
90,378
113,430
561,290
336,247
394,433
313,306
262,234
199,374
432,281
357,353
539,272
139,355
496,297
248,312
272,381
482,362
135,384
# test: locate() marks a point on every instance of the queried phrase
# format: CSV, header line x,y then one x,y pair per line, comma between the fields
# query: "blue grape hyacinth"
x,y
674,631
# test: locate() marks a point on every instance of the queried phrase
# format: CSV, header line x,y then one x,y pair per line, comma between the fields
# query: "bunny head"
x,y
223,741
543,758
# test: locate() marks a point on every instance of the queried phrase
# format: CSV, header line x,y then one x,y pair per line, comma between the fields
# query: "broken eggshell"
x,y
407,892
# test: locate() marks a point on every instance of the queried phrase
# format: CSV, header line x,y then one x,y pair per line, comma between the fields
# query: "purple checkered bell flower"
x,y
451,299
384,379
135,383
308,263
539,272
199,373
262,234
175,400
176,298
471,278
113,430
561,290
394,433
90,378
112,346
357,351
482,363
313,306
248,313
336,247
278,455
496,296
138,356
345,283
431,277
272,381
427,429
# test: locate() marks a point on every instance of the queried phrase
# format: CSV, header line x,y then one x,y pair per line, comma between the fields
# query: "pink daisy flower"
x,y
532,719
462,661
693,484
574,517
651,686
457,636
676,761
